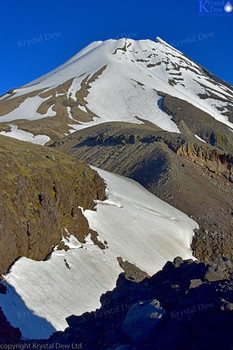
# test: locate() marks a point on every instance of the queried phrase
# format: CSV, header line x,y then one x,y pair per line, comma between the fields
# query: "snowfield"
x,y
137,226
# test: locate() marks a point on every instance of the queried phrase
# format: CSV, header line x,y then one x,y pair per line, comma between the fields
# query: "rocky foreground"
x,y
186,305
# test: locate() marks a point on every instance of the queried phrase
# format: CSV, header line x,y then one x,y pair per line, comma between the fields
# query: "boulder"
x,y
213,275
195,283
178,261
142,319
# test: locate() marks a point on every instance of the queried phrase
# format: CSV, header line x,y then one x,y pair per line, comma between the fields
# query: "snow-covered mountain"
x,y
115,80
138,82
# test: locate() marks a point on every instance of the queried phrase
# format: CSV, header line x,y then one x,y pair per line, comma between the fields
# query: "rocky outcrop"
x,y
132,272
41,195
142,319
220,164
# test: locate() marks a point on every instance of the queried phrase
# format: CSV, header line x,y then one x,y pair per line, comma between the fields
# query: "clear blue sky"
x,y
62,28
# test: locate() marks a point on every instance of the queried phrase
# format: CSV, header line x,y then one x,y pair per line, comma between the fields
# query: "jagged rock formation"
x,y
183,171
195,308
41,192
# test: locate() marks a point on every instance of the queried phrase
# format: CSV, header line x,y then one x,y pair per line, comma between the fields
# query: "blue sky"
x,y
39,35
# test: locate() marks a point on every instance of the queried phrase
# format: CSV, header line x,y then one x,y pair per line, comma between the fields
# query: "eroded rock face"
x,y
220,164
41,192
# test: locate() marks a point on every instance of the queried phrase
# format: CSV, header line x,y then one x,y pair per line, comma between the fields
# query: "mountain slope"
x,y
189,174
132,223
144,110
115,80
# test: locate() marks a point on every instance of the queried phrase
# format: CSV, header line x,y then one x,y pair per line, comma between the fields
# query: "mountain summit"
x,y
115,80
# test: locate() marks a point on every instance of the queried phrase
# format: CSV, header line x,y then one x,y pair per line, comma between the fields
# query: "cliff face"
x,y
41,192
220,164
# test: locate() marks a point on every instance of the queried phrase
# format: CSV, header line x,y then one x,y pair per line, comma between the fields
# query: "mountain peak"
x,y
114,80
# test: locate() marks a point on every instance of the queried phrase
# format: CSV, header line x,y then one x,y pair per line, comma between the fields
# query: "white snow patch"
x,y
57,94
69,113
18,134
28,110
75,86
199,138
82,108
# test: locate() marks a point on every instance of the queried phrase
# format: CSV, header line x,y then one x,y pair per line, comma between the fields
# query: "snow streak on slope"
x,y
16,133
137,226
28,110
132,73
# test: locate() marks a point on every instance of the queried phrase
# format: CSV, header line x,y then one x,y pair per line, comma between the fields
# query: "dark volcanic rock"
x,y
132,272
8,334
192,318
2,289
142,319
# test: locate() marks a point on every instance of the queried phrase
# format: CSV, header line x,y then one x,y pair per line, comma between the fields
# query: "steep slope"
x,y
133,225
42,192
187,173
114,80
